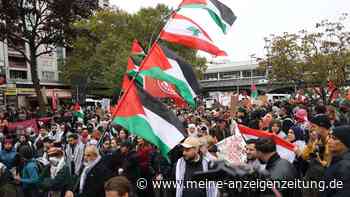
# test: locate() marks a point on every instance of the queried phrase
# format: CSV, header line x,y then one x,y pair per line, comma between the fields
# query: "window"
x,y
246,73
259,73
211,76
48,75
347,76
347,68
18,75
230,75
60,56
17,62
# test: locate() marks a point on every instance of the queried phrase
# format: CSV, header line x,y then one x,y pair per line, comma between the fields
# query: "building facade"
x,y
230,76
17,88
236,76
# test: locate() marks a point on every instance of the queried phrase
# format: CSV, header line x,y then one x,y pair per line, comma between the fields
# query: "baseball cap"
x,y
191,142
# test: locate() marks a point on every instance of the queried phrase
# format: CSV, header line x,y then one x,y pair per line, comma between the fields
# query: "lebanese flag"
x,y
184,31
146,117
284,148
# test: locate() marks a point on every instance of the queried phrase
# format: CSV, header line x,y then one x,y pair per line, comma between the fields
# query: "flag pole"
x,y
137,73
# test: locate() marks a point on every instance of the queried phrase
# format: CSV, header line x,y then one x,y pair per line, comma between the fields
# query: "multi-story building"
x,y
18,89
227,75
235,76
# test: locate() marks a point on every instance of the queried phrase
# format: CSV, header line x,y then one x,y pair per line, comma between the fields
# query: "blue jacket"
x,y
30,175
8,158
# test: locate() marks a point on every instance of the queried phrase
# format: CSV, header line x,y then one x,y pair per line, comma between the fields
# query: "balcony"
x,y
17,65
13,53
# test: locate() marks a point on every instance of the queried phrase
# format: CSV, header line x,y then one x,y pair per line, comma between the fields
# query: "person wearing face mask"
x,y
59,179
192,130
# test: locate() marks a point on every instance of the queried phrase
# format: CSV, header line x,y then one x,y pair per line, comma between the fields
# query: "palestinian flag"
x,y
221,14
284,148
184,31
164,65
254,92
137,52
78,112
146,117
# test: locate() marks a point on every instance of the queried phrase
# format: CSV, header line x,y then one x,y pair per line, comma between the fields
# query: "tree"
x,y
41,25
310,57
101,53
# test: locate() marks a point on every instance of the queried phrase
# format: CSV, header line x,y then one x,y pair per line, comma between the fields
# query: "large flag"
x,y
284,148
184,31
146,117
221,14
157,88
163,64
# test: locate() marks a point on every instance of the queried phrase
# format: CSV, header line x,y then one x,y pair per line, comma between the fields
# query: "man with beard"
x,y
187,165
93,176
252,159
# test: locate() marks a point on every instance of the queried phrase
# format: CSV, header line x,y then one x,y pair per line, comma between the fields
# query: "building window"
x,y
259,73
246,73
17,62
48,75
18,75
347,68
230,75
211,76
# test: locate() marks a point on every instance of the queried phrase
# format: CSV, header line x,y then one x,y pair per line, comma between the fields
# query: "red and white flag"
x,y
284,148
184,31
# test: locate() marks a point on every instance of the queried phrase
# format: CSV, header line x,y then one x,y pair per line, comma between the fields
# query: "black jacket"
x,y
280,169
339,170
95,180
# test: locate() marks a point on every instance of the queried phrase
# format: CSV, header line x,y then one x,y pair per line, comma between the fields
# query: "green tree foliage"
x,y
310,57
41,25
100,53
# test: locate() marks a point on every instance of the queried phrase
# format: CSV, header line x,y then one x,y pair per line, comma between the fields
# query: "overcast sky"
x,y
257,19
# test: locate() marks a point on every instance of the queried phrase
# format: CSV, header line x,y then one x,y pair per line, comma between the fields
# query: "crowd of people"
x,y
91,157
